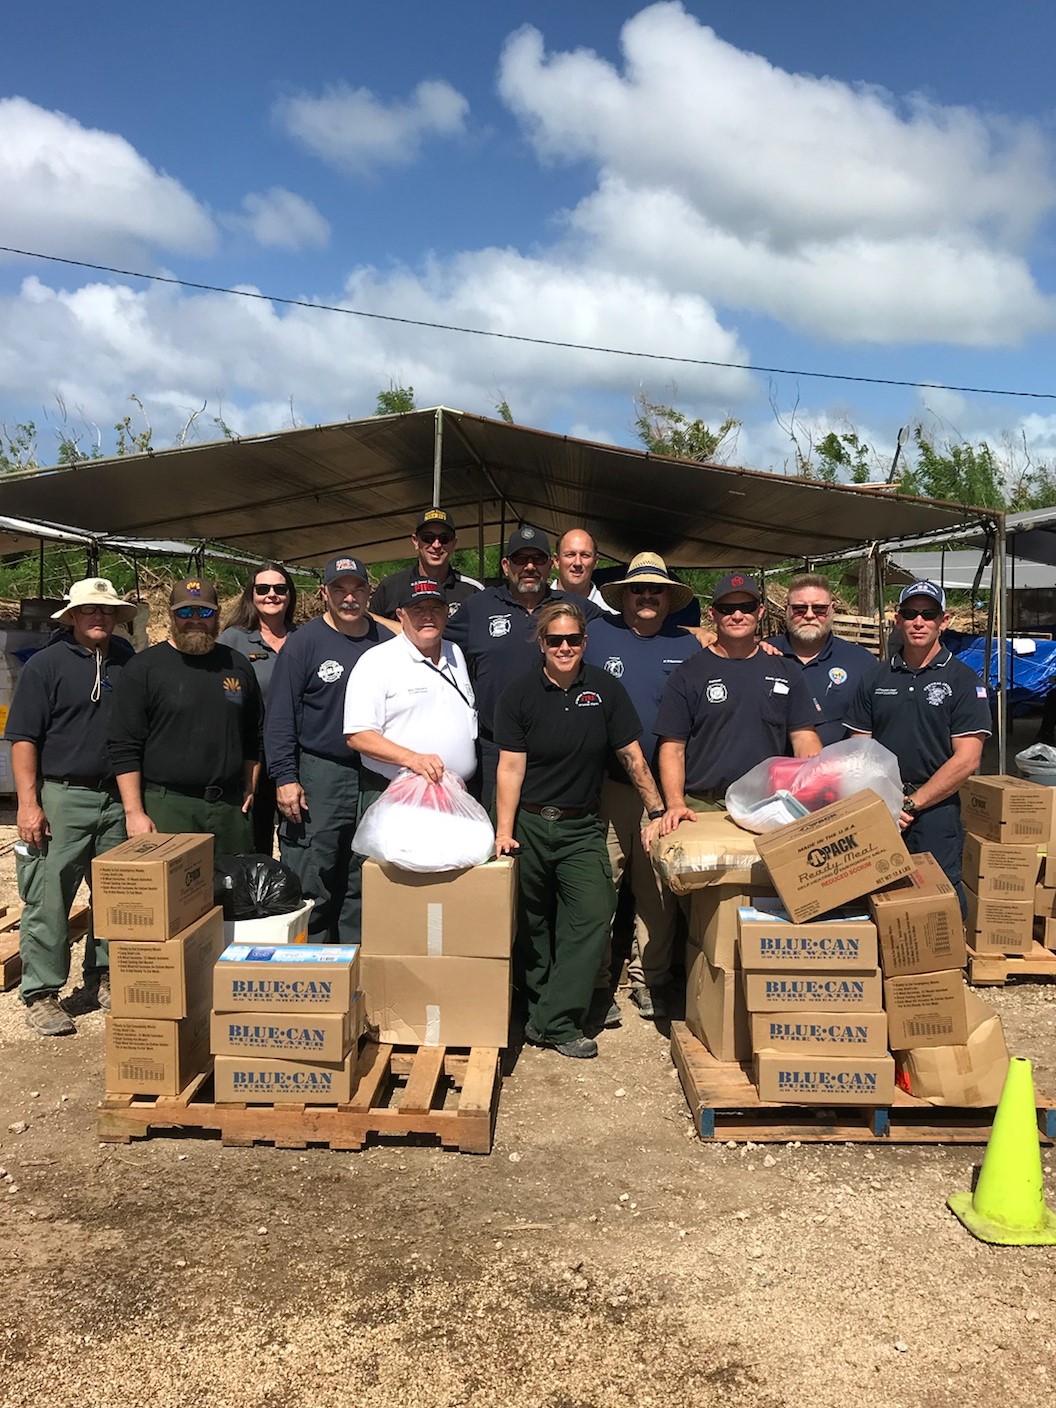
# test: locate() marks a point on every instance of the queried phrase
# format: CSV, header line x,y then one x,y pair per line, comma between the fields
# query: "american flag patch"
x,y
980,691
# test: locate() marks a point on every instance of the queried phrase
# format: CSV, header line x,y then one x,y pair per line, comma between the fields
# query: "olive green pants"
x,y
172,812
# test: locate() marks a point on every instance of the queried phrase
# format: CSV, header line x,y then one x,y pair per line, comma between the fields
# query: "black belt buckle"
x,y
550,813
213,794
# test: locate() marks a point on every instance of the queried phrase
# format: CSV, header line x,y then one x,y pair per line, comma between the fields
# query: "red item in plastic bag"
x,y
822,788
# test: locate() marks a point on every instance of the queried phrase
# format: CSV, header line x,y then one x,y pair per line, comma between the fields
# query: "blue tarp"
x,y
1030,677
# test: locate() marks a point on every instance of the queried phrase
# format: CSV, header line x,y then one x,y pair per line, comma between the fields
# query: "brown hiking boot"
x,y
47,1018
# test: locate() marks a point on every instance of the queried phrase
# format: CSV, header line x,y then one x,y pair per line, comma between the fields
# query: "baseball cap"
x,y
923,589
193,591
436,518
344,566
526,538
735,582
422,589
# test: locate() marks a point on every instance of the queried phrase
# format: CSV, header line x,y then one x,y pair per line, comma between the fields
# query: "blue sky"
x,y
858,189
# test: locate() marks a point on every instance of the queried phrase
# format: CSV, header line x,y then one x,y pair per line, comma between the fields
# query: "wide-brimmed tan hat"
x,y
648,567
95,591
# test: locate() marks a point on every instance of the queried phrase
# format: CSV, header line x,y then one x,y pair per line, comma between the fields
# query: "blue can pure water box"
x,y
310,1036
831,1033
286,978
791,1078
271,1080
768,940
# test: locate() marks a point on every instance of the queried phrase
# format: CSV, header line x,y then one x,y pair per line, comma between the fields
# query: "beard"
x,y
193,642
808,636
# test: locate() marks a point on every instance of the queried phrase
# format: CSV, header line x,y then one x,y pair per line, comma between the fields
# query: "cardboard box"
x,y
792,1079
454,913
1044,903
270,1081
999,926
312,1036
1000,871
769,941
835,855
972,1075
849,1033
713,917
171,979
919,922
437,1001
289,928
1008,809
152,887
286,978
149,1056
798,991
715,1010
706,851
926,1009
1047,936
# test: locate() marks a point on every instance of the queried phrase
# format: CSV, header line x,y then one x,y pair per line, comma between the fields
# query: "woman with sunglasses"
x,y
555,728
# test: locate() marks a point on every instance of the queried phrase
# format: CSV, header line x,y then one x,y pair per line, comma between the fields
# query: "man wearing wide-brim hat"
x,y
640,648
69,810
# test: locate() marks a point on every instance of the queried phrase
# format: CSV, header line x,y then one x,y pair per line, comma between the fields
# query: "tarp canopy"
x,y
302,495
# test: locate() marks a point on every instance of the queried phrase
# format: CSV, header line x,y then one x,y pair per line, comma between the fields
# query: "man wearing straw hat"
x,y
69,810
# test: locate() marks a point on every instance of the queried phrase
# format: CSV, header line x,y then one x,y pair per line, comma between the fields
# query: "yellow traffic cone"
x,y
1008,1206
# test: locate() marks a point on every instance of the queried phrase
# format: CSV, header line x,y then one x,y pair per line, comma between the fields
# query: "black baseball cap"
x,y
436,518
735,582
344,566
525,538
422,589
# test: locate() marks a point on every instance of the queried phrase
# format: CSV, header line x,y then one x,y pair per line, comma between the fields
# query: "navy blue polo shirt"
x,y
732,714
496,633
643,665
833,676
918,713
566,733
391,591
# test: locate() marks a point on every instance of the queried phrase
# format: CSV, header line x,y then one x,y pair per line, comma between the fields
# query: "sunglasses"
x,y
647,589
266,588
444,539
929,613
187,613
574,638
800,608
94,610
730,608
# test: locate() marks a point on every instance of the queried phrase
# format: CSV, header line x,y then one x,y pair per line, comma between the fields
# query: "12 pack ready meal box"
x,y
170,979
919,922
152,887
1010,810
152,1056
971,1074
999,925
926,1009
999,871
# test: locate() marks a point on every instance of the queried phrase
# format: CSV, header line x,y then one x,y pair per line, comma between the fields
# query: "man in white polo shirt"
x,y
413,707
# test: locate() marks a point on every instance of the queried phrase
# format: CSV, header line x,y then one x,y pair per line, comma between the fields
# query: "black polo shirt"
x,y
566,733
731,714
918,713
496,633
833,675
392,590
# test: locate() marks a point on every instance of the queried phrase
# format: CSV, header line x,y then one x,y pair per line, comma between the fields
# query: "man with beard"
x,y
434,541
184,735
832,668
495,630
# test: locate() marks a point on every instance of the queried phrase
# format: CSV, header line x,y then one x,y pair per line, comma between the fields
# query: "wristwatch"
x,y
908,805
655,816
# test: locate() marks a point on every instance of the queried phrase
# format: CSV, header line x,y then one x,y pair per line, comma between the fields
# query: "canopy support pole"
x,y
998,589
438,455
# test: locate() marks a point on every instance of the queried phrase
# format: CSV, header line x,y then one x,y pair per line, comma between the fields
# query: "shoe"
x,y
580,1048
531,1036
650,1003
47,1018
102,992
603,1011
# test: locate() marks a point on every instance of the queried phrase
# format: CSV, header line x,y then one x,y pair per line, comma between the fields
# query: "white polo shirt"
x,y
407,699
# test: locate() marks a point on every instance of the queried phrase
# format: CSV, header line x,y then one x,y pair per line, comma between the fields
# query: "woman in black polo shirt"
x,y
555,727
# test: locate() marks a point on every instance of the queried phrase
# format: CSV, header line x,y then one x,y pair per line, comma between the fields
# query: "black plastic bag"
x,y
255,887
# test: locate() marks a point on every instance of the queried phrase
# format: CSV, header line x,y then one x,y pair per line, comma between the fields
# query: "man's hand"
x,y
905,820
138,824
291,801
32,824
505,845
673,817
247,803
427,765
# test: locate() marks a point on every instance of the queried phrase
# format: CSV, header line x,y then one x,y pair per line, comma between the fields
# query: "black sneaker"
x,y
47,1018
604,1010
580,1048
102,992
651,1003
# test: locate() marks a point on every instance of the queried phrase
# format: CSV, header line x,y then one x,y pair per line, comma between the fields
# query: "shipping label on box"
x,y
860,1033
713,918
972,1075
437,1001
152,887
835,855
772,941
711,850
171,979
147,1056
796,991
451,913
1000,871
715,1010
824,1080
1008,809
269,1080
919,922
286,978
999,926
926,1009
313,1036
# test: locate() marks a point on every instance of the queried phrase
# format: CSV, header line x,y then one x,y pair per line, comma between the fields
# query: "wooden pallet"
x,y
401,1092
726,1105
992,969
11,957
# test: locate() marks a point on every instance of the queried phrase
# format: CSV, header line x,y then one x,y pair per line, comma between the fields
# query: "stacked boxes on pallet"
x,y
152,898
436,953
1009,821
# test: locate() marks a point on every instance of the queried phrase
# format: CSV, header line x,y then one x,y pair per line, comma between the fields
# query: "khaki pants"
x,y
656,910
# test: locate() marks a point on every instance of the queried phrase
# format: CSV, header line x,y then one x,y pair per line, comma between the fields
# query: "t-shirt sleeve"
x,y
280,722
382,600
510,729
971,709
674,719
859,716
27,721
624,724
364,697
803,711
126,734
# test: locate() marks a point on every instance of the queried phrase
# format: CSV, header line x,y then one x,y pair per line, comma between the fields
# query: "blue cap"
x,y
923,589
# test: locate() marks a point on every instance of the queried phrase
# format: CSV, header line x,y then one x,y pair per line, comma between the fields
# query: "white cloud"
x,y
829,206
68,189
353,129
279,219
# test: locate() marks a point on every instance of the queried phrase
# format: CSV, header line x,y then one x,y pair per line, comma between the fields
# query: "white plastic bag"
x,y
425,826
761,800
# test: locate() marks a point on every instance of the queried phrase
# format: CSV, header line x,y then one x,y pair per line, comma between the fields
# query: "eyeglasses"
x,y
730,608
646,589
574,638
94,610
801,608
444,539
929,613
187,613
267,588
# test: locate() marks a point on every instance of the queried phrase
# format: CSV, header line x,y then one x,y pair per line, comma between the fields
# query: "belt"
x,y
200,794
94,784
558,813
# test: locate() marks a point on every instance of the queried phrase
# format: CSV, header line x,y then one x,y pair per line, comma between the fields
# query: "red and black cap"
x,y
736,582
422,589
